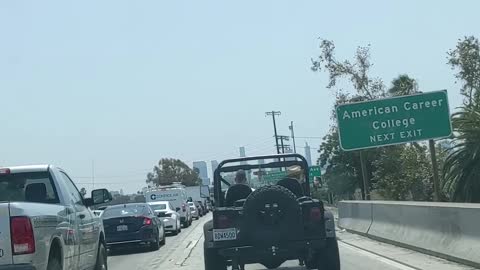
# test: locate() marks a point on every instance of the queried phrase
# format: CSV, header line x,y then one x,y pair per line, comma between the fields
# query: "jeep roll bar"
x,y
217,178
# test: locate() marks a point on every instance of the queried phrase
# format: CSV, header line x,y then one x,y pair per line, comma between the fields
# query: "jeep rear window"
x,y
28,187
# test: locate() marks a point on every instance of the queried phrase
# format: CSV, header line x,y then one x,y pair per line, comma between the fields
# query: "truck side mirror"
x,y
177,209
101,196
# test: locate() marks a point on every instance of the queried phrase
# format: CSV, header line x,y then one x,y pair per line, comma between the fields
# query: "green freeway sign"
x,y
274,176
314,171
394,120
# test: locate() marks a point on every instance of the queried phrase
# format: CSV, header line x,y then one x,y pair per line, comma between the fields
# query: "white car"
x,y
194,211
176,195
171,218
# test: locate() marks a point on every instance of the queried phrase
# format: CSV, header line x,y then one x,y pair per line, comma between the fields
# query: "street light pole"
x,y
273,114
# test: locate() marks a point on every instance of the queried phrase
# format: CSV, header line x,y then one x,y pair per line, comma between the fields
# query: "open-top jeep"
x,y
269,221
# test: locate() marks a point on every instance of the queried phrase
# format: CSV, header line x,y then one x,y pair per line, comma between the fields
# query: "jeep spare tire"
x,y
271,214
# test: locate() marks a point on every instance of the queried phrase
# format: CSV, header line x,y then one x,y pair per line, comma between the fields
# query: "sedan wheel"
x,y
164,238
156,245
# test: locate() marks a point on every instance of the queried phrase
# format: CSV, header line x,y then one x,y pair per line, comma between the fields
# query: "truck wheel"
x,y
101,263
212,260
327,258
54,264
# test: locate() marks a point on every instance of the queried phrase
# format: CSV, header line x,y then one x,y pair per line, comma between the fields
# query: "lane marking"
x,y
376,257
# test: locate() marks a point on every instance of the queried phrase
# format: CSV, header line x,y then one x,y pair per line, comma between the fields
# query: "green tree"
x,y
461,168
343,168
356,71
462,165
466,59
171,170
403,173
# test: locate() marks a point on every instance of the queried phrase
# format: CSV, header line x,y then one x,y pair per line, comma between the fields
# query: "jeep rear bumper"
x,y
290,250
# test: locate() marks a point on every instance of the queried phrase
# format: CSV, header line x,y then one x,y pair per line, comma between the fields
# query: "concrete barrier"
x,y
447,230
355,216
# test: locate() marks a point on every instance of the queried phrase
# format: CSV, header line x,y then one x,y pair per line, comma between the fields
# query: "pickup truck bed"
x,y
45,222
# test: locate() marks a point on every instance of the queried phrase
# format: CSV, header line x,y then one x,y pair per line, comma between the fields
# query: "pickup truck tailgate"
x,y
5,243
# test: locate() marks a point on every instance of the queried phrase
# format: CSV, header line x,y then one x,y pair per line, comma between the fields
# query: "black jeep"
x,y
269,220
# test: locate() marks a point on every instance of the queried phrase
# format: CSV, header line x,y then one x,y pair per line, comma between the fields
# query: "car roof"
x,y
28,168
159,202
127,204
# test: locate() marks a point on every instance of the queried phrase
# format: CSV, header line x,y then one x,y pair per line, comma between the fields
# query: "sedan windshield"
x,y
126,210
157,207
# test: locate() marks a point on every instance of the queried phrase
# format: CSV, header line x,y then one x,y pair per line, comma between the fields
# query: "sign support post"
x,y
436,184
366,189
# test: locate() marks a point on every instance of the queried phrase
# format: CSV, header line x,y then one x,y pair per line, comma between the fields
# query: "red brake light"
x,y
224,222
4,171
23,241
147,221
315,214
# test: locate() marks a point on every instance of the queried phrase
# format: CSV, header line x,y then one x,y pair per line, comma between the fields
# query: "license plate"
x,y
224,234
122,228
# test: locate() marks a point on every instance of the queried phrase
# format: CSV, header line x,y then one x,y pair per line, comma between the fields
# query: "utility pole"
x,y
93,175
282,145
273,114
293,137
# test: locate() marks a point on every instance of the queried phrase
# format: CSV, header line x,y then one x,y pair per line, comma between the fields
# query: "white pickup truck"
x,y
45,223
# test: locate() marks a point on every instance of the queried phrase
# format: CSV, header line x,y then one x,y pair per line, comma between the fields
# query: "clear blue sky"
x,y
125,83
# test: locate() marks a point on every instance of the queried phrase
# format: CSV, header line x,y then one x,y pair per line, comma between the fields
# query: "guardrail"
x,y
447,230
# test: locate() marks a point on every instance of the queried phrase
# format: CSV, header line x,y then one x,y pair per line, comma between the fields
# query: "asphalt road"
x,y
185,252
172,252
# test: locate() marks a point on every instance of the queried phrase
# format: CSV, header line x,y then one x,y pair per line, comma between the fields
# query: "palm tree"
x,y
462,166
403,85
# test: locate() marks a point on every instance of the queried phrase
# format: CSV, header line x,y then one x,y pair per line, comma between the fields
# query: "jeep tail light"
x,y
23,241
147,221
184,208
315,214
224,222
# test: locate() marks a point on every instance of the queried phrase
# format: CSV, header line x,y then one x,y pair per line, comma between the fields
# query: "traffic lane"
x,y
141,258
351,259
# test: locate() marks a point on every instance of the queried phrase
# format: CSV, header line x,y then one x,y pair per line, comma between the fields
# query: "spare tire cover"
x,y
271,214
